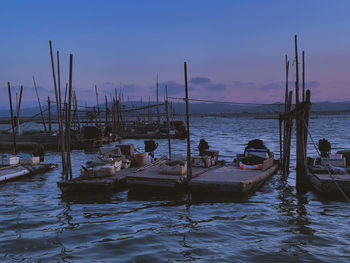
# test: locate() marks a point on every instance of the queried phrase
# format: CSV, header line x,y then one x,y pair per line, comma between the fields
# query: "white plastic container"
x,y
118,166
13,160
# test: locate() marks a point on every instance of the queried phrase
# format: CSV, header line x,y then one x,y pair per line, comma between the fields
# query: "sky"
x,y
235,50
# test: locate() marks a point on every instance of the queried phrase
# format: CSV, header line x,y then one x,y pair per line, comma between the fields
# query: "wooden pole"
x,y
41,111
289,129
58,107
18,110
66,168
98,107
49,112
189,161
69,115
158,116
167,119
106,104
296,71
76,110
12,119
280,133
65,93
59,114
307,117
303,56
285,127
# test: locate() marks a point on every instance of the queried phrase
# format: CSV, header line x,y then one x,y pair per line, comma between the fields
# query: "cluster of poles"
x,y
301,114
15,118
63,115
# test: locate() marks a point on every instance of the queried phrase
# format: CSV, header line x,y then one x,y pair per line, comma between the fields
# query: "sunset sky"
x,y
235,49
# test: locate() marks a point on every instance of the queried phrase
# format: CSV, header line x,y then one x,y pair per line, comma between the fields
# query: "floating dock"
x,y
95,184
10,173
151,178
230,180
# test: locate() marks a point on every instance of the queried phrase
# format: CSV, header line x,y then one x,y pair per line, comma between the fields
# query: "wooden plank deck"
x,y
95,185
152,178
230,180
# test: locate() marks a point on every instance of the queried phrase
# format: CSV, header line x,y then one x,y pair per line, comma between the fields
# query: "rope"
x,y
229,102
327,166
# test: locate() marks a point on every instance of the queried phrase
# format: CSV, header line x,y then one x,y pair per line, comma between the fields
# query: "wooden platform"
x,y
151,178
15,172
95,185
230,180
324,183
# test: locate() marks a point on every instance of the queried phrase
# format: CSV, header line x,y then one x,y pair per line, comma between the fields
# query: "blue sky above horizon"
x,y
234,49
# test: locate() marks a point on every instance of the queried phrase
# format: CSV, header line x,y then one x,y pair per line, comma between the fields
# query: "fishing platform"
x,y
14,172
230,180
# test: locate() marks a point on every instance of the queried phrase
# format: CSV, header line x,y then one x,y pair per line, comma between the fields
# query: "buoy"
x,y
250,166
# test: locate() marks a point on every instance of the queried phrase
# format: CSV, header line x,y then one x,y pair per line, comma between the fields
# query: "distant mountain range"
x,y
211,108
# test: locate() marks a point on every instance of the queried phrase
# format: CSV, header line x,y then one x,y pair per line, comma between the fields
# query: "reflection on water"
x,y
272,225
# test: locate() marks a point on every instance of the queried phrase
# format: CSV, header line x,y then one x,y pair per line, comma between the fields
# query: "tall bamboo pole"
x,y
167,119
18,110
285,128
49,112
98,107
296,71
158,116
106,105
41,111
58,107
303,56
59,113
12,119
69,115
189,161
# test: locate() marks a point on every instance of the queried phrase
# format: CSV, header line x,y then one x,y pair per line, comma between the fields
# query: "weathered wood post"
x,y
303,66
301,176
167,119
106,104
12,119
296,71
18,110
58,104
41,111
98,107
158,116
280,134
285,121
69,115
49,112
289,130
189,161
307,117
66,139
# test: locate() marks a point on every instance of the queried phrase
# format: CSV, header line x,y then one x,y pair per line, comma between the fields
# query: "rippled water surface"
x,y
272,225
